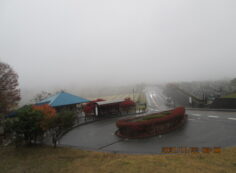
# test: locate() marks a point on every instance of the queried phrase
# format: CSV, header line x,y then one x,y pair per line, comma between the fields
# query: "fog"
x,y
92,43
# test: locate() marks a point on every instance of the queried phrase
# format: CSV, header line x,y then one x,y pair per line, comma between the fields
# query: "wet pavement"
x,y
203,129
156,100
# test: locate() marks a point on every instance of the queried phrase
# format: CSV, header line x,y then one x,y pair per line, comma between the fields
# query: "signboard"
x,y
190,100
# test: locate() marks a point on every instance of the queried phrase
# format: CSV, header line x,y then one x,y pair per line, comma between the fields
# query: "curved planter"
x,y
136,128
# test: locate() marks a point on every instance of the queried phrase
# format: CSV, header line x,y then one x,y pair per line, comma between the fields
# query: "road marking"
x,y
100,148
191,119
196,115
213,116
232,118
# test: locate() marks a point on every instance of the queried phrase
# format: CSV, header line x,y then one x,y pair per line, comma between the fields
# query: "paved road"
x,y
203,129
156,100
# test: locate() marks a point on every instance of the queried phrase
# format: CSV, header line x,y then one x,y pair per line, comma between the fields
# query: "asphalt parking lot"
x,y
203,129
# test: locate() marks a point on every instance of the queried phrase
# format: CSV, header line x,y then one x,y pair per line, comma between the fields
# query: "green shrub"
x,y
61,122
64,120
26,125
158,115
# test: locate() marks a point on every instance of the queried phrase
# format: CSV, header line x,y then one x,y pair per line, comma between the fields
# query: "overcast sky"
x,y
95,42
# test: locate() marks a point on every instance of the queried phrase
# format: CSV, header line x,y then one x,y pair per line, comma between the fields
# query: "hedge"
x,y
134,127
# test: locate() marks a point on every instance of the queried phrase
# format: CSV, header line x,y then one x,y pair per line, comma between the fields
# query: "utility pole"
x,y
133,94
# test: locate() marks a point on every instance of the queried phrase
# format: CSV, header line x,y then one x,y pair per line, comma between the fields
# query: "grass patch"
x,y
60,160
233,95
153,116
149,117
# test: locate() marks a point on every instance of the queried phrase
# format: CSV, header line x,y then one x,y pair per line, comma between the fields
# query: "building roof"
x,y
62,99
110,102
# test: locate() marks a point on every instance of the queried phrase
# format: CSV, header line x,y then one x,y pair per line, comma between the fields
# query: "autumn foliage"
x,y
180,111
90,106
46,109
136,127
127,103
31,122
48,114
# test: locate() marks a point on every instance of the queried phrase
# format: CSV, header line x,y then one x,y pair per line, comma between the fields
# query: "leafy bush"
x,y
65,120
61,122
133,126
48,114
127,104
90,106
26,124
152,117
31,122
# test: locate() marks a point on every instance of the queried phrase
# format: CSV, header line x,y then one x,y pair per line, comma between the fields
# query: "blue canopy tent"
x,y
63,100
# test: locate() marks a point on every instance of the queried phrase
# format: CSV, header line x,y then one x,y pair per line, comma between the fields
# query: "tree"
x,y
127,104
65,119
44,94
27,124
32,121
61,122
40,96
9,92
233,82
49,113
